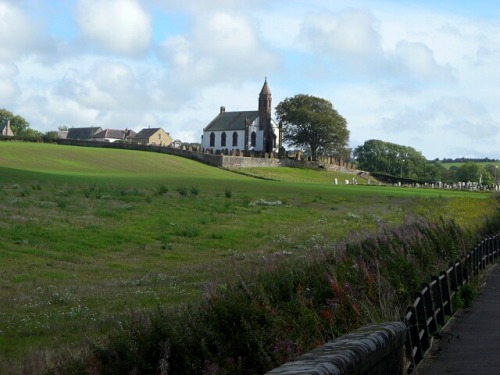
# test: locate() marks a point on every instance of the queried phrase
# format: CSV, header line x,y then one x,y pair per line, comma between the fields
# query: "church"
x,y
244,130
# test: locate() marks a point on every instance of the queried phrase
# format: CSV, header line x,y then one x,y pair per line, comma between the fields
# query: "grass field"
x,y
87,234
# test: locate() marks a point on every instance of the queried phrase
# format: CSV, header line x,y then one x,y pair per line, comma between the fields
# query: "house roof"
x,y
147,132
83,133
111,133
231,120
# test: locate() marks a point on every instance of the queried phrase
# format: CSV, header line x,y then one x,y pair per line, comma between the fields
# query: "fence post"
x,y
483,255
437,298
445,290
424,335
413,345
459,273
490,250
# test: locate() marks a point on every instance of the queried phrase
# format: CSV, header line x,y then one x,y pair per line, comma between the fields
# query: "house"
x,y
152,136
113,135
5,129
244,130
83,134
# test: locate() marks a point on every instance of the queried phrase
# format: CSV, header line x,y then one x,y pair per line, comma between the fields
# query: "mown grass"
x,y
88,235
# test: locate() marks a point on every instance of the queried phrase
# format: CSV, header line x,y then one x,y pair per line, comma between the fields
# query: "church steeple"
x,y
265,100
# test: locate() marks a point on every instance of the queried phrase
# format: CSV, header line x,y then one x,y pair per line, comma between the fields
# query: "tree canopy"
x,y
473,172
17,123
395,160
312,122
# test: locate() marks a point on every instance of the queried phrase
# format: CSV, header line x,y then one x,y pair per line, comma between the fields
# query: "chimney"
x,y
222,109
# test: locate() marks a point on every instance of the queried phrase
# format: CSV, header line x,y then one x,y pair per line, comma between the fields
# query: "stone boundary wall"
x,y
376,349
221,161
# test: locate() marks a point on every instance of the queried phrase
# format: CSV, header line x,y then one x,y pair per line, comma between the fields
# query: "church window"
x,y
223,139
212,139
235,139
253,139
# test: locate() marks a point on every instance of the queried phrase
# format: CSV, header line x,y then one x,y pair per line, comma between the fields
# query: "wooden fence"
x,y
433,304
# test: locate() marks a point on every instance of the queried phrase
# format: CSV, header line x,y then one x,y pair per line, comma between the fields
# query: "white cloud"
x,y
416,60
19,35
9,89
223,46
347,34
119,26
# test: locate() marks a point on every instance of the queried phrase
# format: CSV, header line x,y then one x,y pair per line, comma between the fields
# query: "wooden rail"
x,y
434,302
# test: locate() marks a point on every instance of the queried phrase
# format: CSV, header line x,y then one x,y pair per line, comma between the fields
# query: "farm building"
x,y
152,136
244,130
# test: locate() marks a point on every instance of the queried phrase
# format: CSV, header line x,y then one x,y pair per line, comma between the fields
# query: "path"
x,y
470,343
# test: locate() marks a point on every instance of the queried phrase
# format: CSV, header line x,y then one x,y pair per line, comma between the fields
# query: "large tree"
x,y
474,172
396,160
312,122
17,123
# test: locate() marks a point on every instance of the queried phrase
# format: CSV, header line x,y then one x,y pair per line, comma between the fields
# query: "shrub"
x,y
182,190
161,189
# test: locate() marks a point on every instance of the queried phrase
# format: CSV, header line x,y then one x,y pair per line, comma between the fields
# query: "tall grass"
x,y
281,309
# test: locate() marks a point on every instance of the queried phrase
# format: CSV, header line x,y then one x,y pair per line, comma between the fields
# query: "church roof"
x,y
231,120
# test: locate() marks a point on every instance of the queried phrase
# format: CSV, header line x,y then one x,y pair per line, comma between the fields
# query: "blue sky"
x,y
417,73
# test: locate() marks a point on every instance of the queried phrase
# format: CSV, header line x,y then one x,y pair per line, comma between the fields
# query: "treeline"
x,y
465,160
392,162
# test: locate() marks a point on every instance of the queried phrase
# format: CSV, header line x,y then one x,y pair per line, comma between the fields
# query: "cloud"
x,y
223,46
349,38
9,89
107,86
118,26
416,61
459,117
19,35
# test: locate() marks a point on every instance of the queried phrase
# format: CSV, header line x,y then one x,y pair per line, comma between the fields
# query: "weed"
x,y
465,296
228,193
182,190
161,189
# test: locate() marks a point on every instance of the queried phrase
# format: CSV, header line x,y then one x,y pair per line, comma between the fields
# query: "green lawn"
x,y
89,234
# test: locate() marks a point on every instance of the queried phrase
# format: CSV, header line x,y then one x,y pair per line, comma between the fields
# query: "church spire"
x,y
265,100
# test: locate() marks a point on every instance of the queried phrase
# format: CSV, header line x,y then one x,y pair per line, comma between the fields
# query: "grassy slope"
x,y
90,233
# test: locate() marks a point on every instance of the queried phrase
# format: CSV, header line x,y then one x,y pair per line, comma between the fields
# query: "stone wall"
x,y
375,349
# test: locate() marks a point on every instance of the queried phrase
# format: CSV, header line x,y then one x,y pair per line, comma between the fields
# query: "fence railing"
x,y
433,304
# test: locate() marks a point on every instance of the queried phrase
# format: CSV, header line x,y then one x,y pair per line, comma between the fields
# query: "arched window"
x,y
253,139
235,139
212,139
274,140
223,139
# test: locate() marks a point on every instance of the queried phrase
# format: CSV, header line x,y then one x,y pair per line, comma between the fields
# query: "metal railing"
x,y
434,302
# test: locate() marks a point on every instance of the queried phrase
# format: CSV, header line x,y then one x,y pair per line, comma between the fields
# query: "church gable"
x,y
226,121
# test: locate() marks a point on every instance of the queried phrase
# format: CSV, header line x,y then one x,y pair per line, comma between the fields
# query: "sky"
x,y
418,73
